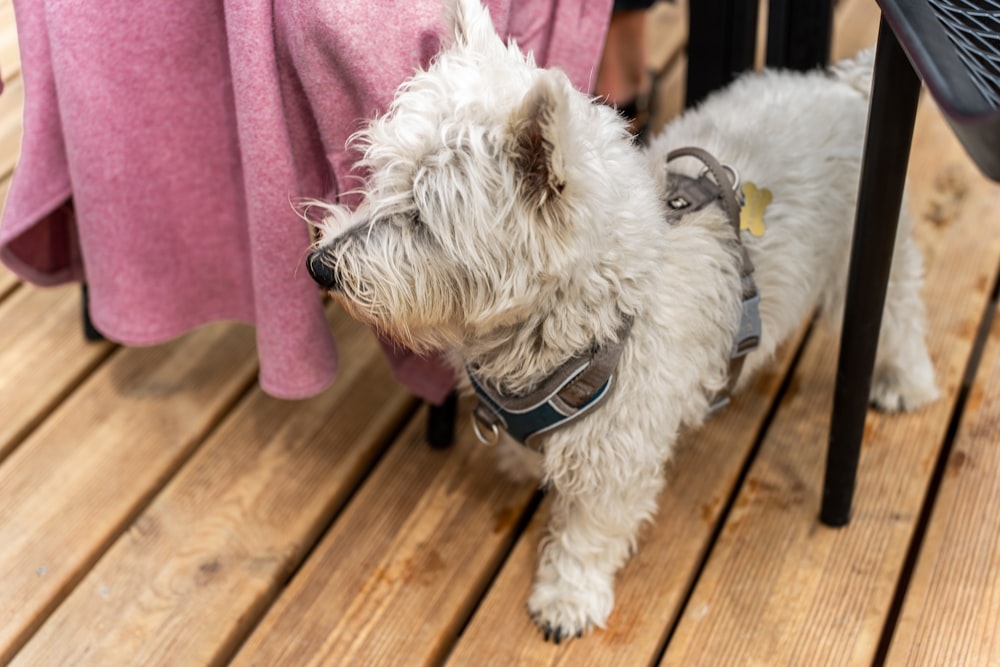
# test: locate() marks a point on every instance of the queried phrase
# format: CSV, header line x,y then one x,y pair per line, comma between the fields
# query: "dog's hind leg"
x,y
903,378
903,375
592,533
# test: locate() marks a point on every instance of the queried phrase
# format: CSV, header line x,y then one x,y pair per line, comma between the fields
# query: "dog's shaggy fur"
x,y
512,220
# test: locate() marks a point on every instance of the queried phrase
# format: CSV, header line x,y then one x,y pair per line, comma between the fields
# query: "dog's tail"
x,y
857,71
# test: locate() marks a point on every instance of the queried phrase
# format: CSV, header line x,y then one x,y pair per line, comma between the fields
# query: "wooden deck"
x,y
156,508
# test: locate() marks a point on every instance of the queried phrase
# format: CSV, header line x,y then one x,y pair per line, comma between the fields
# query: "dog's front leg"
x,y
596,516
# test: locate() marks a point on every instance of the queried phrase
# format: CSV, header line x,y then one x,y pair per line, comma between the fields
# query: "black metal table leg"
x,y
895,91
722,36
799,33
90,332
441,422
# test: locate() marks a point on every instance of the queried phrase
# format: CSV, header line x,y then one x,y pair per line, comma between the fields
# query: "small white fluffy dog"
x,y
511,219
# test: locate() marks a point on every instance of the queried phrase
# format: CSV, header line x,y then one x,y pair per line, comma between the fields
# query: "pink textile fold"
x,y
164,143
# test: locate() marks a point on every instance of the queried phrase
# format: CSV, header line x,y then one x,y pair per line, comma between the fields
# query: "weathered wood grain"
x,y
8,281
43,356
196,570
779,588
396,575
153,510
74,485
666,33
11,102
951,613
10,56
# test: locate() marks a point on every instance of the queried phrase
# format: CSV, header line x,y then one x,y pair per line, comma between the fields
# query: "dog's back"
x,y
800,135
857,71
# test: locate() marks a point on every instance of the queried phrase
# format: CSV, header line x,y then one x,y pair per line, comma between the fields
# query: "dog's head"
x,y
481,187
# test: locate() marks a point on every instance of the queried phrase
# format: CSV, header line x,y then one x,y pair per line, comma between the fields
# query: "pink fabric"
x,y
164,141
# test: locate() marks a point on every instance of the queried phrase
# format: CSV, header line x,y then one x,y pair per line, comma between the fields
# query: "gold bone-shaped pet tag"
x,y
752,213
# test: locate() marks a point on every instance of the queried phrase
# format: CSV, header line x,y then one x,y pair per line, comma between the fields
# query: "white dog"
x,y
511,219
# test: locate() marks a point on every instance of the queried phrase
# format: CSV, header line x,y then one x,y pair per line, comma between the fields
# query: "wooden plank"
x,y
393,580
666,33
10,55
779,588
700,480
8,281
76,482
855,27
197,569
760,48
951,614
43,356
669,92
11,103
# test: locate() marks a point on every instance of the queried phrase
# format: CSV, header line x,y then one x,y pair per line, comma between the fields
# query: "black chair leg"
x,y
895,91
799,33
441,422
90,332
722,37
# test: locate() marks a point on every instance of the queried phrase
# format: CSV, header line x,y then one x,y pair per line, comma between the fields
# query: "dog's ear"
x,y
539,136
470,23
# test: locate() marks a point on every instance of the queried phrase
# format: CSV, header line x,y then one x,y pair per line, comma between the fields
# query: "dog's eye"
x,y
415,218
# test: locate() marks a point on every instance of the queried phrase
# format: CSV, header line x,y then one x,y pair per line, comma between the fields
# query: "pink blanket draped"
x,y
164,142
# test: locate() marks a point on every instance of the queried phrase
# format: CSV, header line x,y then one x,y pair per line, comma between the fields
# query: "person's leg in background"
x,y
622,79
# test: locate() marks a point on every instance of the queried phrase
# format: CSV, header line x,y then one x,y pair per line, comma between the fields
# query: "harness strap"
x,y
584,382
576,387
727,185
722,187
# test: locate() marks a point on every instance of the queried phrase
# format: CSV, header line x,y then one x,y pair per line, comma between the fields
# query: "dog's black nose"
x,y
321,271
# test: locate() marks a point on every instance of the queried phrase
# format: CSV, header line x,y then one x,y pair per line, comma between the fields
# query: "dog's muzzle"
x,y
327,276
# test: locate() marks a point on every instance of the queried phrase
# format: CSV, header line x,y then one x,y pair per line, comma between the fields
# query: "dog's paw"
x,y
568,611
895,390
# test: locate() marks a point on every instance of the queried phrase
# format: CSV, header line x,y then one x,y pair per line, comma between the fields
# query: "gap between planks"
x,y
70,489
44,358
391,562
779,587
204,560
951,611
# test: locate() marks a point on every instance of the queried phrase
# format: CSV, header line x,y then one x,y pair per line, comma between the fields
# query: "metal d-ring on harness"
x,y
583,382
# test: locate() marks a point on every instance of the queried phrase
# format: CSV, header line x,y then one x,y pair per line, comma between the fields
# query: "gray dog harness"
x,y
687,195
574,389
585,381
